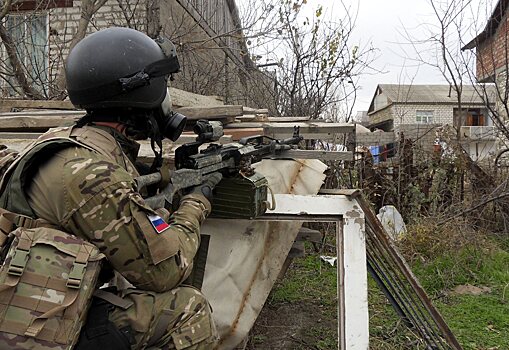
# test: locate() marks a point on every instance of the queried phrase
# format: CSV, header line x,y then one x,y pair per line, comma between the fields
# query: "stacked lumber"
x,y
25,120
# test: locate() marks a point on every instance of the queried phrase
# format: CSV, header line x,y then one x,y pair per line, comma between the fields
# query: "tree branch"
x,y
5,9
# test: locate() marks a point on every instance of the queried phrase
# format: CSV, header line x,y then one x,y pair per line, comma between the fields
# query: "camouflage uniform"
x,y
88,189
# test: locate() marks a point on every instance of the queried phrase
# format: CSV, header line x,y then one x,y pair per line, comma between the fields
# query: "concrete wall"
x,y
381,115
380,101
482,150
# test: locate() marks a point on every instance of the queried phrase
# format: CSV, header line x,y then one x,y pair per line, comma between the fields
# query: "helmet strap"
x,y
156,139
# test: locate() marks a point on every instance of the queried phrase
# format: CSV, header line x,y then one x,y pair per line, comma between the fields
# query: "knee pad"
x,y
99,332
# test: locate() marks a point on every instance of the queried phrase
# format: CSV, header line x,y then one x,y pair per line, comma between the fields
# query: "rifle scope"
x,y
208,131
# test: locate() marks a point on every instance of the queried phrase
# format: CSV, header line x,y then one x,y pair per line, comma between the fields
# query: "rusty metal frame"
x,y
376,231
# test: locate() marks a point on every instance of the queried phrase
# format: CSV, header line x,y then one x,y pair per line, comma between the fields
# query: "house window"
x,y
424,117
29,33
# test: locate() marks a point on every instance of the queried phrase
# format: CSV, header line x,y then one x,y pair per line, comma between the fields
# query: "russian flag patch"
x,y
158,223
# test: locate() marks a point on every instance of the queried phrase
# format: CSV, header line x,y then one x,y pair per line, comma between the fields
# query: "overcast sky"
x,y
381,24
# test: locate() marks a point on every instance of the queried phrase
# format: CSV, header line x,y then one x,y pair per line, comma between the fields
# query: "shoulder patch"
x,y
158,223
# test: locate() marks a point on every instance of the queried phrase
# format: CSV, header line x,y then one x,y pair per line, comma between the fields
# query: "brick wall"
x,y
63,23
492,53
206,67
406,114
442,114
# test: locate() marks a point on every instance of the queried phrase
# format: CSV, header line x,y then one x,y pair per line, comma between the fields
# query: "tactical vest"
x,y
13,184
47,276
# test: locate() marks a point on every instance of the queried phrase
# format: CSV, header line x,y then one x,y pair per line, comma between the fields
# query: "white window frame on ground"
x,y
424,116
29,32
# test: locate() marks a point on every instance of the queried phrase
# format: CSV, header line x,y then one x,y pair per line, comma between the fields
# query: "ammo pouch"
x,y
46,285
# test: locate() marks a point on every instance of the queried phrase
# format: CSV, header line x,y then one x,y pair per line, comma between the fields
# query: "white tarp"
x,y
245,257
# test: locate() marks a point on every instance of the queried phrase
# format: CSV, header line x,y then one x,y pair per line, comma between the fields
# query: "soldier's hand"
x,y
207,187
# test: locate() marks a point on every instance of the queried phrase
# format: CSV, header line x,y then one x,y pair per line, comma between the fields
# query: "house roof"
x,y
491,27
428,94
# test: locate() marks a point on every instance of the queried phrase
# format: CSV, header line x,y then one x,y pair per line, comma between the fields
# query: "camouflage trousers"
x,y
177,319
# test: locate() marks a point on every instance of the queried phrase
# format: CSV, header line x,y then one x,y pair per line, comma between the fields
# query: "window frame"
x,y
34,78
426,116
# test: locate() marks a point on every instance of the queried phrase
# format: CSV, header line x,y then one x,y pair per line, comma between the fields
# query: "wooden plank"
x,y
182,98
191,137
179,98
41,122
288,119
317,154
237,134
252,118
333,137
249,110
42,113
211,112
312,130
6,137
45,104
19,135
376,138
244,126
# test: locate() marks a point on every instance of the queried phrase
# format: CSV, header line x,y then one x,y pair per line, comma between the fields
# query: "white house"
x,y
400,108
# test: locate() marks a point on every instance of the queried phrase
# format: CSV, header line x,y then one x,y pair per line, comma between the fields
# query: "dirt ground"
x,y
299,325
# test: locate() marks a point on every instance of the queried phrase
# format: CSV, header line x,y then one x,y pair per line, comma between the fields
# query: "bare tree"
x,y
440,47
444,47
313,61
255,54
5,8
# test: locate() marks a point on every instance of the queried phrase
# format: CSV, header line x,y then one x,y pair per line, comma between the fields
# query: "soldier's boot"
x,y
177,319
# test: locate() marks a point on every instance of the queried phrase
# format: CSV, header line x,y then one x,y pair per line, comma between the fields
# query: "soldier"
x,y
81,179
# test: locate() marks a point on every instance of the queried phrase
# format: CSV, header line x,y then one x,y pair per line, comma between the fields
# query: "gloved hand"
x,y
207,187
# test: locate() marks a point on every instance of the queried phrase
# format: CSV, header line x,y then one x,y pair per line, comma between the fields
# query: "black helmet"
x,y
120,67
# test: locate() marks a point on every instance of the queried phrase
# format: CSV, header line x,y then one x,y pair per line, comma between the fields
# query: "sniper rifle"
x,y
242,193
